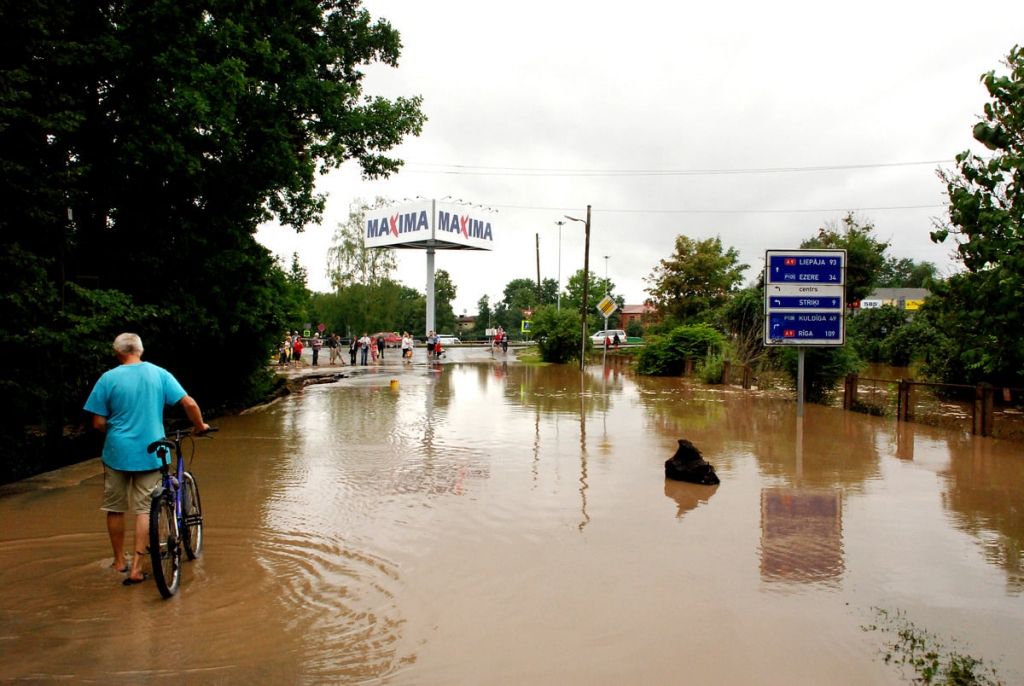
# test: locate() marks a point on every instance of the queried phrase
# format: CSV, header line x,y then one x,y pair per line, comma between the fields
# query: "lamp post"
x,y
586,284
606,276
558,294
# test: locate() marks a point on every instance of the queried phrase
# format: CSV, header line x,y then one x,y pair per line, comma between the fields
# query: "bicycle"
x,y
175,515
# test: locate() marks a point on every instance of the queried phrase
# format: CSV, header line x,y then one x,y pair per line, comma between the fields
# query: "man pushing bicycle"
x,y
127,404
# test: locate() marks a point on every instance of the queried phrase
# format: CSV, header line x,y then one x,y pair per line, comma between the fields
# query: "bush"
x,y
666,355
712,370
824,368
557,334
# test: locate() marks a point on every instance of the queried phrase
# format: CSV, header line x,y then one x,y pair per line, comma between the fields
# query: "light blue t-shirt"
x,y
132,398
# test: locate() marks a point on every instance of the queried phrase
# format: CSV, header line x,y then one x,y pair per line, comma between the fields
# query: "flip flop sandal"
x,y
131,582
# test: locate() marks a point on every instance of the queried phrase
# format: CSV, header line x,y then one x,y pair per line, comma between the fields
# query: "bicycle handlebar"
x,y
172,443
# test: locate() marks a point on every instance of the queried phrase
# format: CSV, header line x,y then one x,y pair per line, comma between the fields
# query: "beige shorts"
x,y
121,488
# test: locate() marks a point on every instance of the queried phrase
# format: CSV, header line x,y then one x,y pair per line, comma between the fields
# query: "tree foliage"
x,y
597,288
445,320
557,333
865,256
906,273
358,308
666,354
349,261
698,278
980,310
141,144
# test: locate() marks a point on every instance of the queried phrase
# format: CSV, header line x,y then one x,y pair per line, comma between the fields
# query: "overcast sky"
x,y
756,122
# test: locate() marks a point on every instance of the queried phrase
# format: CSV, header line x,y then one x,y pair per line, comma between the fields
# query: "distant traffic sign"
x,y
607,306
804,297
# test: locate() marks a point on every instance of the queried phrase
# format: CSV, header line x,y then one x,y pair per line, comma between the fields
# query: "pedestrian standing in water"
x,y
316,344
373,349
406,348
332,347
285,350
127,406
380,346
297,347
364,348
353,348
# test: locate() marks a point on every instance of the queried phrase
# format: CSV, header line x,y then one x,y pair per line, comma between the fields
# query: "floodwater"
x,y
489,523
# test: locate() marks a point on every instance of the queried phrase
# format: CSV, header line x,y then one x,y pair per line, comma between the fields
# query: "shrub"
x,y
557,334
666,355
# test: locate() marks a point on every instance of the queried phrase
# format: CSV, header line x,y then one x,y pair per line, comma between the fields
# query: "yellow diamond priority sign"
x,y
607,306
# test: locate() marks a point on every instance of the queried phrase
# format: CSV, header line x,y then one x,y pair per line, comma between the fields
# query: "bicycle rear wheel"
x,y
164,545
192,516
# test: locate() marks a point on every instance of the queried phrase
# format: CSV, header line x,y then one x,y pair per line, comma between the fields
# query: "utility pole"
x,y
539,291
586,284
559,296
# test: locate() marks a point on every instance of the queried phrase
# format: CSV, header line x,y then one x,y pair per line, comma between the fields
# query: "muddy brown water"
x,y
490,523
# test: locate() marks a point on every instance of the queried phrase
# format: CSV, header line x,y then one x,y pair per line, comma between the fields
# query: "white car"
x,y
598,338
448,340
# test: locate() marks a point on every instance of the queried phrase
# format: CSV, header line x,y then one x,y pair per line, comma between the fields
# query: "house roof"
x,y
637,309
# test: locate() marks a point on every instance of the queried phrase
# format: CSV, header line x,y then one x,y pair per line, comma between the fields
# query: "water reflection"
x,y
688,496
801,535
494,522
984,484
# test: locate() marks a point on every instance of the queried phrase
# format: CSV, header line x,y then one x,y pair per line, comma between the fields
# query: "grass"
x,y
920,651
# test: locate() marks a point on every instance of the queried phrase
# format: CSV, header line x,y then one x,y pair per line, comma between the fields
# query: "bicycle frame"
x,y
175,518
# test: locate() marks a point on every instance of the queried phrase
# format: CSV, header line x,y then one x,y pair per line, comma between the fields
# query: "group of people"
x,y
500,340
290,350
434,345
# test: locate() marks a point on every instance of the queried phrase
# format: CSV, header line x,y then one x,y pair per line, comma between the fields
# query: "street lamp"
x,y
559,293
586,283
606,276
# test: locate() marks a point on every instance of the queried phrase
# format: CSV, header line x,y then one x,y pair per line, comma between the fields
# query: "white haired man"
x,y
127,404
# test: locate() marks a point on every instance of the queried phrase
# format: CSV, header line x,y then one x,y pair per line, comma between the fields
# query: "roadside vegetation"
x,y
134,207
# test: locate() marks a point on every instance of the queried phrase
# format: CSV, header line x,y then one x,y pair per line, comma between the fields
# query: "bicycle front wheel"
x,y
192,516
164,545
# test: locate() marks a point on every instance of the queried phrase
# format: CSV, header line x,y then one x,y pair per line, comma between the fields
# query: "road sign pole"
x,y
800,383
604,360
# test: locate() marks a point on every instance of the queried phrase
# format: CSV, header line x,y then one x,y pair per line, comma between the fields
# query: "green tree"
x,y
596,291
557,333
697,279
349,261
865,256
444,293
483,316
666,354
743,319
519,294
905,273
297,299
141,144
980,310
868,330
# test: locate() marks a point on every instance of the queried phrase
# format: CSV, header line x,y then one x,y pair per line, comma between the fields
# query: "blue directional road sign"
x,y
806,266
800,327
804,297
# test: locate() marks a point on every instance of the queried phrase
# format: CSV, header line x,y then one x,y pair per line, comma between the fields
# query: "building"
x,y
900,298
645,314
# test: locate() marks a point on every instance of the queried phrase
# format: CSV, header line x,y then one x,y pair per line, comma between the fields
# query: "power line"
x,y
472,170
598,210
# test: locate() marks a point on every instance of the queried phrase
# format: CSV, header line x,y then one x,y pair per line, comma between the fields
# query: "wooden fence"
x,y
982,407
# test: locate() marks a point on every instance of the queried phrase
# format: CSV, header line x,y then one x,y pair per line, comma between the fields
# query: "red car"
x,y
391,340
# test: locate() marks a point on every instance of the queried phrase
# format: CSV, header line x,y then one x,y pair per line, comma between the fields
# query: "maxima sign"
x,y
430,224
